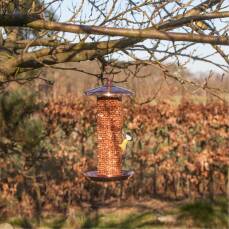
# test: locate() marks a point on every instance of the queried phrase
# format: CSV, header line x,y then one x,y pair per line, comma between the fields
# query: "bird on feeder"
x,y
123,145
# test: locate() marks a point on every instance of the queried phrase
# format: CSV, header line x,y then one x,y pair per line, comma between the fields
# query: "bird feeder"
x,y
109,133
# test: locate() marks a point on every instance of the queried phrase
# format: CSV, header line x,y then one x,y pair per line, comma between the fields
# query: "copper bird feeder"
x,y
109,133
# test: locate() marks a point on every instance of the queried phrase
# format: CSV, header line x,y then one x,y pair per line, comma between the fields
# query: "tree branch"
x,y
131,33
185,20
17,19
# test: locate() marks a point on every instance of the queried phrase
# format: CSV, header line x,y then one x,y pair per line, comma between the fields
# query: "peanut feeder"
x,y
109,133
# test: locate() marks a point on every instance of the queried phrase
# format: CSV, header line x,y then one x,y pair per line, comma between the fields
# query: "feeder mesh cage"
x,y
109,135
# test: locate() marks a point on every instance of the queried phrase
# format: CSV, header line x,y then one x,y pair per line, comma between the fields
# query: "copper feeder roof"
x,y
109,90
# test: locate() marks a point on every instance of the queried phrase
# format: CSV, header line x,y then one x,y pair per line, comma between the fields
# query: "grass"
x,y
206,214
21,222
126,220
144,215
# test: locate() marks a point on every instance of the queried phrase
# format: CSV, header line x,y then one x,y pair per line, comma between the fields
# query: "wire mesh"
x,y
109,135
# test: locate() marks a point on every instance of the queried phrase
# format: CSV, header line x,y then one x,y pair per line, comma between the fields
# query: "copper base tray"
x,y
95,177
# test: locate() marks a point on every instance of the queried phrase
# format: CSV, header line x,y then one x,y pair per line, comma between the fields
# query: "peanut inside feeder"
x,y
109,136
109,133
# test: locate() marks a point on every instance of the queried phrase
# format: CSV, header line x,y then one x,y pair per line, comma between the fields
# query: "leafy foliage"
x,y
177,152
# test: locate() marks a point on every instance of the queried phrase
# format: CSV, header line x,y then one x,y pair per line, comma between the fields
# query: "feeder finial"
x,y
109,85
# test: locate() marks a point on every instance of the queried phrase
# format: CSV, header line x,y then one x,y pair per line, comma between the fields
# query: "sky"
x,y
197,67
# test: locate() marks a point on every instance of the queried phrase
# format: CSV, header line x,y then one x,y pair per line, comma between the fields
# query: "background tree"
x,y
162,30
23,144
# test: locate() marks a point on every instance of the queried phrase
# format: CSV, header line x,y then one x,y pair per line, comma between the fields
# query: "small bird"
x,y
123,145
203,25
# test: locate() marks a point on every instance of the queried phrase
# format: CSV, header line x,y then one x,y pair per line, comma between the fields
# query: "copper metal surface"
x,y
93,175
109,91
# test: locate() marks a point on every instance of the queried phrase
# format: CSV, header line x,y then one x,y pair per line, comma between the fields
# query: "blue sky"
x,y
194,66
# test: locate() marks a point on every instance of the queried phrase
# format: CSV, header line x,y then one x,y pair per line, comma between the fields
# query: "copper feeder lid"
x,y
109,90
